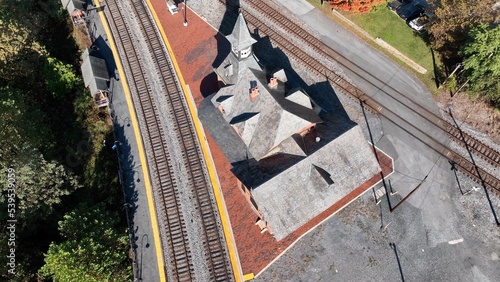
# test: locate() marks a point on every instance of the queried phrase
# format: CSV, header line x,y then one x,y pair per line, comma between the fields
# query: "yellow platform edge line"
x,y
142,157
248,277
206,154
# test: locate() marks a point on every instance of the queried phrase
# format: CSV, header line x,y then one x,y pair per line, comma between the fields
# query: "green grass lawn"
x,y
385,24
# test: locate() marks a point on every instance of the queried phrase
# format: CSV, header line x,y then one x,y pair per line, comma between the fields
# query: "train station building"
x,y
293,158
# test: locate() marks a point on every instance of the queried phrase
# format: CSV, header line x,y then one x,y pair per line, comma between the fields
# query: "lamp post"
x,y
185,13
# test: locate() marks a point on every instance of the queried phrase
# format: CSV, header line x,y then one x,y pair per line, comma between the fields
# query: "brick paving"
x,y
196,48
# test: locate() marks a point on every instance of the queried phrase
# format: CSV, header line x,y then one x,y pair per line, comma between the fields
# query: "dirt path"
x,y
475,113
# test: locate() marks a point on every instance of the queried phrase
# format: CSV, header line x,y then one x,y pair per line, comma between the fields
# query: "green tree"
x,y
454,18
39,132
482,62
60,79
18,47
21,125
40,184
13,39
94,249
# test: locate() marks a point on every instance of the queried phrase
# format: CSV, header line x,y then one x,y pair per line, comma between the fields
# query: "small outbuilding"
x,y
95,76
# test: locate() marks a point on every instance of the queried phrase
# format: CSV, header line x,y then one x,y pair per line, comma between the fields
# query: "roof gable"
x,y
289,124
249,129
299,97
279,117
226,102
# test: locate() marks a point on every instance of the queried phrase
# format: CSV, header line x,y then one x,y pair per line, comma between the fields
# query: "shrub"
x,y
355,6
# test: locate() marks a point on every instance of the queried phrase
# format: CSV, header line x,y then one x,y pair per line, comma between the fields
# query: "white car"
x,y
419,23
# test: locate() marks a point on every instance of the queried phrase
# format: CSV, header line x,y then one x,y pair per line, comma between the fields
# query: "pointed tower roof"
x,y
240,37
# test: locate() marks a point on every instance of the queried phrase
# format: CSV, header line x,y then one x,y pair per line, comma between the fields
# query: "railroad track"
x,y
177,242
258,10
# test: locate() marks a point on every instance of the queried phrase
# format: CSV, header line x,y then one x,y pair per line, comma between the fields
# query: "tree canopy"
x,y
51,134
60,80
40,184
18,44
482,62
454,19
94,249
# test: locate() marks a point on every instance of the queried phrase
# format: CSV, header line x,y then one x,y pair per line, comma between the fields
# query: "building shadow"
x,y
230,16
253,173
223,49
225,28
209,85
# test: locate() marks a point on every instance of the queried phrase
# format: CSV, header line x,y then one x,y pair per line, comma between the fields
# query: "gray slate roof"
x,y
224,135
232,69
271,118
240,37
94,71
303,191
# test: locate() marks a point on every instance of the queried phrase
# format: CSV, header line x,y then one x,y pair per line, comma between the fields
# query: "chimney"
x,y
254,93
273,83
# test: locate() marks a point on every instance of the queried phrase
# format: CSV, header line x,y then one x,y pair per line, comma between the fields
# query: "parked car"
x,y
410,11
418,24
394,5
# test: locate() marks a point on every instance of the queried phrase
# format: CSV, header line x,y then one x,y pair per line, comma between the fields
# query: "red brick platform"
x,y
195,49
